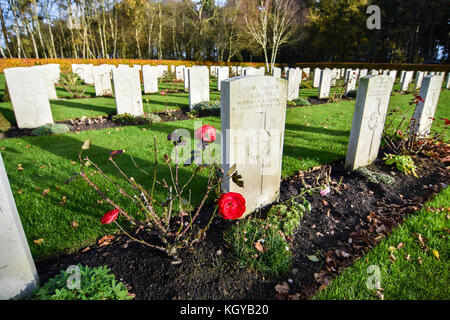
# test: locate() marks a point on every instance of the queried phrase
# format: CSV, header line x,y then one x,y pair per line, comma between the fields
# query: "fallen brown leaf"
x,y
38,241
378,294
45,192
74,224
259,246
106,240
282,288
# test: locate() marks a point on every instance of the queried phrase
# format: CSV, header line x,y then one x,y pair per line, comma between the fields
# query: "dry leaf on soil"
x,y
106,240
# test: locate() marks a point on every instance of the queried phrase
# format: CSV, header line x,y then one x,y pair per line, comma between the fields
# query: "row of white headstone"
x,y
253,116
32,88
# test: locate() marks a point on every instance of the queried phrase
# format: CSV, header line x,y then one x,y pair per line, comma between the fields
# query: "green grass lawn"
x,y
314,135
415,274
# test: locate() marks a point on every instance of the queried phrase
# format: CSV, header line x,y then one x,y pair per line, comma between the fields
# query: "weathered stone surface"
x,y
253,113
18,275
127,91
424,112
368,120
198,86
29,96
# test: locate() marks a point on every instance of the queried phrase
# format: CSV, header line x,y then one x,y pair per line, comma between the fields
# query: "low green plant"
x,y
302,102
94,284
260,246
70,82
129,119
205,109
49,129
403,163
287,217
375,177
306,85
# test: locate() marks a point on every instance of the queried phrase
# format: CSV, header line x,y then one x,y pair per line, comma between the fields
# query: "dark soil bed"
x,y
341,228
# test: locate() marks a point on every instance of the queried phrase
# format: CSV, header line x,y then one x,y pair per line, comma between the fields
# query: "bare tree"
x,y
272,24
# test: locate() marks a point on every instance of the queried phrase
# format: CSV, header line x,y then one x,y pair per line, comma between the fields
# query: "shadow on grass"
x,y
320,130
83,106
8,113
67,147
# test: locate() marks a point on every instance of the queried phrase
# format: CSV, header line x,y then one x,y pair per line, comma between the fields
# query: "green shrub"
x,y
129,119
95,284
244,238
403,163
205,109
302,102
308,84
70,82
49,129
287,218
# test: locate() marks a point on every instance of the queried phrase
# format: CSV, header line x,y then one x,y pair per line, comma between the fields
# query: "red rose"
x,y
109,217
163,92
206,133
231,205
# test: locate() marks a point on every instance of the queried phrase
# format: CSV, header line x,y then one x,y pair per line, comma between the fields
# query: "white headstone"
x,y
307,71
351,81
407,78
47,73
198,86
363,73
393,74
186,78
29,97
88,76
127,91
419,79
447,86
368,120
18,275
223,73
162,70
293,79
424,112
253,113
374,72
179,72
56,71
102,81
150,78
325,84
276,72
317,73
